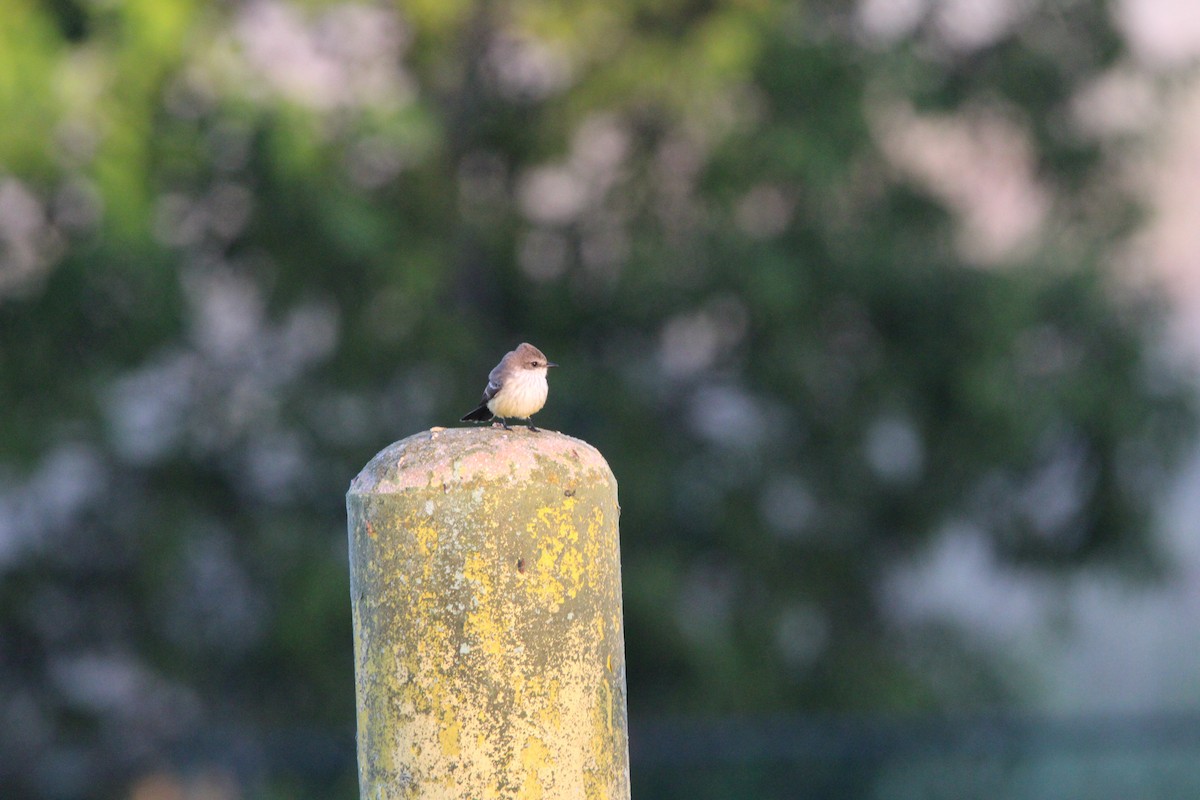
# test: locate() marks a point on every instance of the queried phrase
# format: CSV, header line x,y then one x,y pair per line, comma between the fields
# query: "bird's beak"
x,y
551,364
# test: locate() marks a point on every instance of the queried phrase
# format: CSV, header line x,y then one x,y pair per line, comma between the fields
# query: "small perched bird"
x,y
516,388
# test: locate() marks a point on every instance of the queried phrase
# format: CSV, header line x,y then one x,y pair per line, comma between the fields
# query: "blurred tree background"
x,y
826,280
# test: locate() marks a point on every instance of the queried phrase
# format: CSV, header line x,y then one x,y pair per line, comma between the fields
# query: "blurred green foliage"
x,y
243,246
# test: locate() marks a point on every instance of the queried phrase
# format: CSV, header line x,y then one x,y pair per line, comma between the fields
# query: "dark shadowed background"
x,y
883,314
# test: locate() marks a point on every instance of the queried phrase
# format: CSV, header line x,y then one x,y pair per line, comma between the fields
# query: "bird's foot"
x,y
532,427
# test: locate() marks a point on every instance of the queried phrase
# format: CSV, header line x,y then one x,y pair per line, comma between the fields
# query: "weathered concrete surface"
x,y
488,639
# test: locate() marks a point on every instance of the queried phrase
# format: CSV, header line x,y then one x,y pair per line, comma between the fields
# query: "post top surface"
x,y
443,456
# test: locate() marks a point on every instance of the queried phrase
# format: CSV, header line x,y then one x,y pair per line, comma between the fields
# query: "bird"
x,y
516,388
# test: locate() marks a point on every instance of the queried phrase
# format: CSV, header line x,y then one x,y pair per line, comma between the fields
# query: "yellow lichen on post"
x,y
486,594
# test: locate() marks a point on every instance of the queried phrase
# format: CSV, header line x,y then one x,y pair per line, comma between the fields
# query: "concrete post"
x,y
485,583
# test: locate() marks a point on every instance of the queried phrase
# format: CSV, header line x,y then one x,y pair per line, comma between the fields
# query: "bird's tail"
x,y
480,414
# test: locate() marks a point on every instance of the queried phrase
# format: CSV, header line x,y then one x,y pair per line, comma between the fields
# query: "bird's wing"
x,y
494,382
490,391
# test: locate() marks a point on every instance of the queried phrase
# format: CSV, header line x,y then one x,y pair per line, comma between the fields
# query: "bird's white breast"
x,y
522,395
